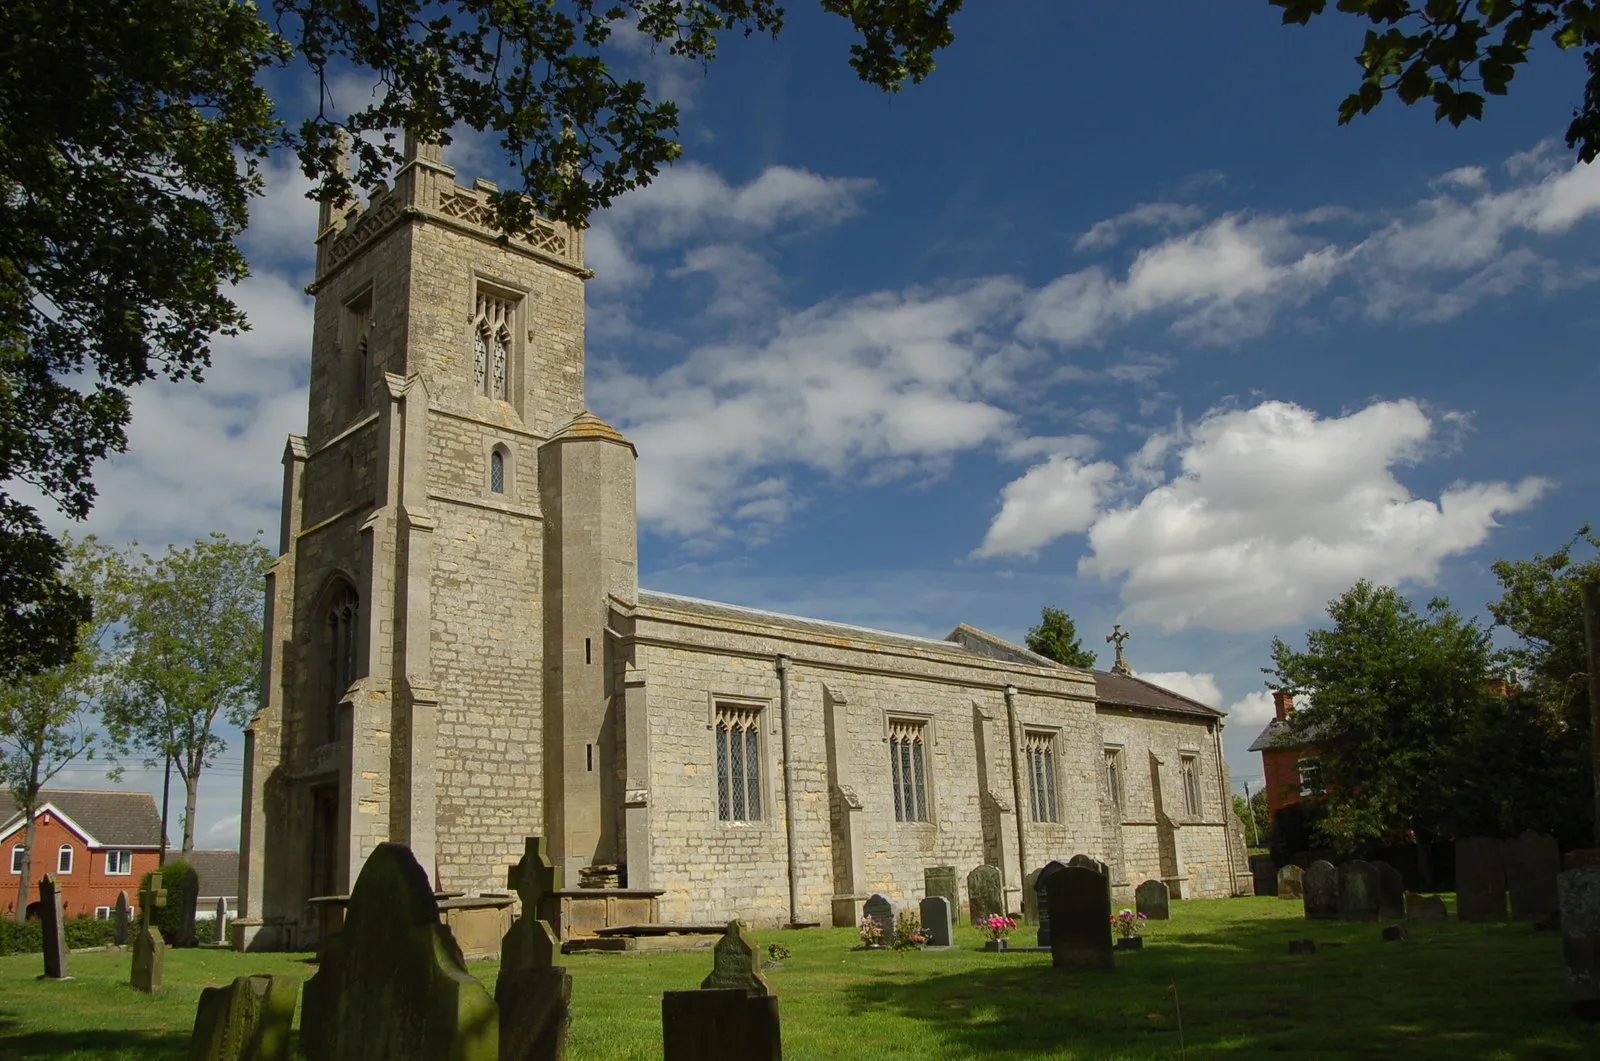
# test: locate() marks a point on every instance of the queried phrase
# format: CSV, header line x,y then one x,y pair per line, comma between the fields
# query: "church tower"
x,y
452,529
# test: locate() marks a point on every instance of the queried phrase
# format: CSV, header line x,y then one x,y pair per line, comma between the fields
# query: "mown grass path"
x,y
1489,992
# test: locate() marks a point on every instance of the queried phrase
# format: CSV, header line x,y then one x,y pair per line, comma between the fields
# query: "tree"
x,y
1056,637
45,717
1392,695
1432,50
189,657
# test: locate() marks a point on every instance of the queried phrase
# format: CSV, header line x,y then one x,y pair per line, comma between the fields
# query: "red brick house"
x,y
96,843
1289,762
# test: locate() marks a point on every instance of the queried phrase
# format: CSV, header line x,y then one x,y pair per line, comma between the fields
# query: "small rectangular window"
x,y
1039,759
1310,776
1114,779
16,858
908,770
738,763
119,863
64,859
1189,768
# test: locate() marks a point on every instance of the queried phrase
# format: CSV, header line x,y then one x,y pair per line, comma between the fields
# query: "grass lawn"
x,y
1450,991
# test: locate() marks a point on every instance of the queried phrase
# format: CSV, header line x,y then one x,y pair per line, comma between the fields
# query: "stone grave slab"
x,y
119,919
54,930
392,986
1391,893
149,950
941,880
1264,874
1480,879
720,1025
1153,901
534,995
249,1020
1322,891
878,908
1291,883
938,924
1532,861
220,936
1578,893
1358,891
1080,919
985,893
189,897
1425,908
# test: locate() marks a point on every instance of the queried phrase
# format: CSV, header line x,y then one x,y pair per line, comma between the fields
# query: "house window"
x,y
491,346
102,913
1189,769
497,472
16,858
907,770
1039,758
738,763
1310,775
341,656
1114,778
64,859
119,863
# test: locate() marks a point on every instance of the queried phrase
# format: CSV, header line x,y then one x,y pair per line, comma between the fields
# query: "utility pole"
x,y
166,794
1250,807
1591,626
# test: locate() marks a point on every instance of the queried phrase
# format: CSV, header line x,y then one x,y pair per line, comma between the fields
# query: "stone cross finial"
x,y
1118,635
534,876
151,897
530,944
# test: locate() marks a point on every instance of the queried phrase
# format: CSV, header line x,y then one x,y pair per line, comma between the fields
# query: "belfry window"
x,y
908,770
341,656
1039,759
738,763
497,472
491,346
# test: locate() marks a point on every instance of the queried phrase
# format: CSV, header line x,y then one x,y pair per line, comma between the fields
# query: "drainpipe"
x,y
788,793
1016,794
1222,787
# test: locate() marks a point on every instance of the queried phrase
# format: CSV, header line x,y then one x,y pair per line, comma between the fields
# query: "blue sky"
x,y
1108,314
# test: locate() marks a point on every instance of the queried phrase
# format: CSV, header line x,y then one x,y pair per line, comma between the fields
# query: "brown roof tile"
x,y
112,817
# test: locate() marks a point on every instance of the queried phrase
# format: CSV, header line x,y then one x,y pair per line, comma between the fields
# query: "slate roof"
x,y
218,872
1125,690
1278,735
112,817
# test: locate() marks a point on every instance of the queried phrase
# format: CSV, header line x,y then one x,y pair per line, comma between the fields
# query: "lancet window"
x,y
908,770
1039,758
738,732
340,662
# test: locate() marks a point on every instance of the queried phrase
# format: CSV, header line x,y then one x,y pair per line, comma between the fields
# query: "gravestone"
x,y
534,994
1532,862
878,908
1394,933
1041,900
221,922
941,880
1425,908
1089,862
735,964
119,920
1358,891
248,1020
1153,901
1322,891
1080,919
938,928
1578,893
189,896
1264,874
1291,883
54,931
392,985
149,951
1480,879
1391,893
985,893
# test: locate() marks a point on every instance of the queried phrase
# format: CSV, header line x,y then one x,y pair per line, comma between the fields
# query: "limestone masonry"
x,y
459,655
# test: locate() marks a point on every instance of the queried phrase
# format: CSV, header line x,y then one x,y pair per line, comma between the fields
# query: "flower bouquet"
x,y
1126,925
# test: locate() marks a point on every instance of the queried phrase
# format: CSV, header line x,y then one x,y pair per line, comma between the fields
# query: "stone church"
x,y
458,653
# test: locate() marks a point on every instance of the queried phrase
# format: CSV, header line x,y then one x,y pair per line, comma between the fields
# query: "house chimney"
x,y
1283,702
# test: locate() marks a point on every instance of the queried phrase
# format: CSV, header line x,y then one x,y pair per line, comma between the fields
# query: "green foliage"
x,y
1431,50
168,919
1257,830
1056,637
81,932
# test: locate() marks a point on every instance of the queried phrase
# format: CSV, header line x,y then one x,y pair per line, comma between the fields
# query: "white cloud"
x,y
1201,687
1060,496
1109,232
1254,709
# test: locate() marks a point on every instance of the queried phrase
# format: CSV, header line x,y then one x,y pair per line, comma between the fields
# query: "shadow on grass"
x,y
1463,991
122,1044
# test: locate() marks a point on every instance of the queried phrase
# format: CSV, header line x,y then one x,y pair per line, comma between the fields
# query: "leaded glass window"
x,y
1039,757
480,359
908,771
738,763
497,472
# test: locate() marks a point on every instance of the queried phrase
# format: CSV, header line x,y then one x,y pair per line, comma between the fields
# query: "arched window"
x,y
497,472
64,859
341,656
491,347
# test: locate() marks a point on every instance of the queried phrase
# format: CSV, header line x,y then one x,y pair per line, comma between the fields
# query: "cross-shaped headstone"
x,y
151,896
530,944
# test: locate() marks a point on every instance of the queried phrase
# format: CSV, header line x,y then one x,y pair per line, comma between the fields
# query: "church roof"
x,y
588,425
1126,690
987,644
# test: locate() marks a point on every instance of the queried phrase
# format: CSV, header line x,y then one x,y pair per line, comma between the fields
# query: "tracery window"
x,y
908,770
491,346
341,656
1039,758
738,763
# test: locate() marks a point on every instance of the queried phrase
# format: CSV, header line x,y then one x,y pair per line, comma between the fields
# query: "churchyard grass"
x,y
1489,992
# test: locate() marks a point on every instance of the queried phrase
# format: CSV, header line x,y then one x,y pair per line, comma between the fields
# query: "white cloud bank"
x,y
1202,687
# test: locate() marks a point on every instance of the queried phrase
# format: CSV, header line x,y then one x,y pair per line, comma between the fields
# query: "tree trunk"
x,y
191,796
30,836
1591,624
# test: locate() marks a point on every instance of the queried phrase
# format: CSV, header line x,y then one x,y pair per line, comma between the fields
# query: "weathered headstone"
x,y
1358,891
937,922
248,1020
220,935
985,893
941,880
1480,879
1291,883
1394,933
1532,863
1153,900
392,986
1264,874
119,919
1090,862
534,994
1080,919
1425,908
722,1025
1322,890
149,951
1578,892
1391,893
55,938
1041,899
735,964
189,897
878,908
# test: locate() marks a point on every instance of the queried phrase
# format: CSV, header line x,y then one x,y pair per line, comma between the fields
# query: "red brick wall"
x,y
86,887
1282,767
